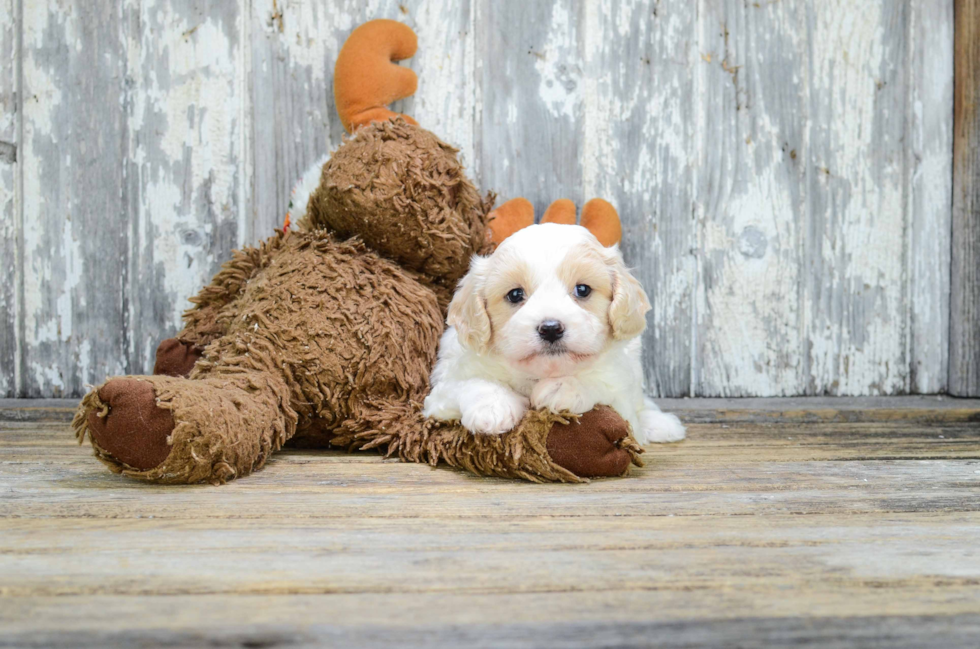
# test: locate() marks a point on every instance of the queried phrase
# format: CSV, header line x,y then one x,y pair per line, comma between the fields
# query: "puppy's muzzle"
x,y
551,331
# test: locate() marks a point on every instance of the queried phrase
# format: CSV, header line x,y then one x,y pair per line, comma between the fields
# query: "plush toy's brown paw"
x,y
176,358
131,427
593,447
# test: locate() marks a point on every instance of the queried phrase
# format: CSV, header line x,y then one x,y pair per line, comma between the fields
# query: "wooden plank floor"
x,y
778,522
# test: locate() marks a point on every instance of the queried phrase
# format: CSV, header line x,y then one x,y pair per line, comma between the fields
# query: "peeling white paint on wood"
x,y
751,211
930,187
187,139
638,151
532,114
783,169
74,222
9,204
855,293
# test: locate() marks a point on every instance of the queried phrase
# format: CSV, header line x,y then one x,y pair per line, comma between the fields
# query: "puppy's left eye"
x,y
582,290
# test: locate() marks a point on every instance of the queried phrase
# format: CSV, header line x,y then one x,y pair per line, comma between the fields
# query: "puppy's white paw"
x,y
494,412
659,427
560,394
439,406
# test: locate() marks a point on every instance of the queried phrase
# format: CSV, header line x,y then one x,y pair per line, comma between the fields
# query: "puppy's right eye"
x,y
515,296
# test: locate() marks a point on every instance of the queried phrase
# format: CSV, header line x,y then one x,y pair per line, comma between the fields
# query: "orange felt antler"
x,y
598,217
561,211
366,78
601,219
516,214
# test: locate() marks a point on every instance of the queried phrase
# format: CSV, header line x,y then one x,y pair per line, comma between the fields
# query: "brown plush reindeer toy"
x,y
325,336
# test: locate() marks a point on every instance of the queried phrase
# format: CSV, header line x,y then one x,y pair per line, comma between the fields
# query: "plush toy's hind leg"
x,y
177,430
213,309
214,305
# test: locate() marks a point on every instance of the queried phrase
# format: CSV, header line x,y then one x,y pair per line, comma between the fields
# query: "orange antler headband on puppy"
x,y
601,219
367,77
598,217
516,214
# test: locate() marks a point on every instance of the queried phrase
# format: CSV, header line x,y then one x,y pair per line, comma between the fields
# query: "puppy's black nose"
x,y
551,330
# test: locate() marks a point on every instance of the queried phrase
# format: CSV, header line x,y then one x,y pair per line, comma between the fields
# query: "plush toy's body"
x,y
326,334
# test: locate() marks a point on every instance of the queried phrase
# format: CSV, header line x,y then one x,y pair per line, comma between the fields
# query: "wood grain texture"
x,y
188,119
750,198
856,246
221,625
787,87
133,176
782,170
964,342
929,169
10,224
638,146
532,108
293,46
75,221
838,534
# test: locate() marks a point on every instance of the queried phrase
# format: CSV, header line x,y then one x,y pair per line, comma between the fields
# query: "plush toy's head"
x,y
403,191
395,185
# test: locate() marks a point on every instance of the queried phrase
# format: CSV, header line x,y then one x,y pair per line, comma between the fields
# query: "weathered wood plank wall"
x,y
964,350
783,169
9,197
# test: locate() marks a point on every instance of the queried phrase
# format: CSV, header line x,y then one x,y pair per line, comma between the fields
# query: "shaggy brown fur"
x,y
402,190
326,336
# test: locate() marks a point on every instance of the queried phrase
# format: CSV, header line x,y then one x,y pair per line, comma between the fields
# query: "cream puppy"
x,y
552,320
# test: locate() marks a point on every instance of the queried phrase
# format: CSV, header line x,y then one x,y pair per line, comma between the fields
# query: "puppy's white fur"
x,y
493,364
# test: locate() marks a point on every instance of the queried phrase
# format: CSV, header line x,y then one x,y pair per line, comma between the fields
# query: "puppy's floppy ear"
x,y
629,304
468,310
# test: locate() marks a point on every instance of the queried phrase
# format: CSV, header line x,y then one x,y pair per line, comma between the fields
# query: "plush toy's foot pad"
x,y
176,358
131,427
594,446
